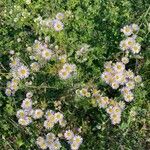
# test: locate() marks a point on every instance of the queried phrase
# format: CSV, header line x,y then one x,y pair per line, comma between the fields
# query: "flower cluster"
x,y
40,52
67,71
18,72
112,107
130,44
51,142
52,118
55,23
27,113
74,140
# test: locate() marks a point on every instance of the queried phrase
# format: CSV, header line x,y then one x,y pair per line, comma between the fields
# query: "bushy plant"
x,y
74,74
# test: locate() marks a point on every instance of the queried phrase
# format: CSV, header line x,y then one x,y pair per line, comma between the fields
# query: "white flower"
x,y
138,79
47,54
128,97
136,48
25,121
38,113
125,60
64,74
26,104
29,94
35,66
119,67
127,30
68,135
60,16
23,72
58,25
135,27
58,116
48,124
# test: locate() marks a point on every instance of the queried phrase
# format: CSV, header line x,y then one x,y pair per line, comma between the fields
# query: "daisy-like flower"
x,y
56,145
26,104
119,67
69,135
130,41
137,79
63,58
37,114
62,123
127,30
74,146
129,74
35,66
60,16
64,74
123,45
58,25
48,124
83,91
25,121
106,76
41,142
29,94
23,72
8,92
47,54
136,48
130,85
77,139
103,102
135,27
21,113
125,90
58,116
15,63
125,60
50,137
115,119
128,97
115,85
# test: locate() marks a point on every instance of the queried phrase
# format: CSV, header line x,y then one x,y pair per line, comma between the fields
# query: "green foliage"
x,y
96,23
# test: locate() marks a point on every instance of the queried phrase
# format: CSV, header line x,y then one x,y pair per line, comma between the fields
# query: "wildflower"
x,y
119,67
56,145
68,135
21,113
130,85
60,16
130,41
8,92
123,45
128,97
58,116
58,25
50,137
25,121
125,60
38,113
26,104
138,79
135,27
35,66
23,72
127,30
48,124
29,95
47,54
136,48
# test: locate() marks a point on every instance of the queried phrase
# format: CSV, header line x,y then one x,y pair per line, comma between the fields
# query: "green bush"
x,y
90,24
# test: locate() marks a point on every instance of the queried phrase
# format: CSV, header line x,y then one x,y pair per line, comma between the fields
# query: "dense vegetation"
x,y
82,35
